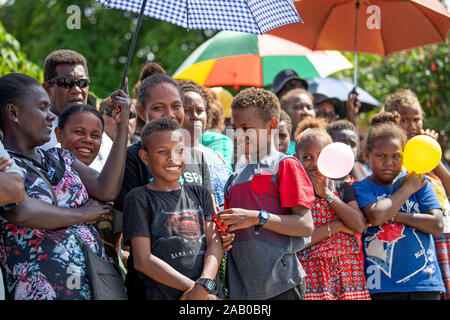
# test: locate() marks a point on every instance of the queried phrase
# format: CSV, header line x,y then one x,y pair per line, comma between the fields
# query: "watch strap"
x,y
209,284
330,199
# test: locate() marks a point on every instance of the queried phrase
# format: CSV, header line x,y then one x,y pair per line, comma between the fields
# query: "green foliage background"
x,y
105,36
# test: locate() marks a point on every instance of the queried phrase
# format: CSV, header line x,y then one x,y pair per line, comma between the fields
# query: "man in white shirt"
x,y
67,83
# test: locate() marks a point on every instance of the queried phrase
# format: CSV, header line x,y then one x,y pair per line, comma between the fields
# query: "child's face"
x,y
385,160
165,155
163,101
299,107
411,120
252,132
349,137
82,135
309,152
284,137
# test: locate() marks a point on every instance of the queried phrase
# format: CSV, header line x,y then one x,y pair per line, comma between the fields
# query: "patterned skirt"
x,y
442,246
338,278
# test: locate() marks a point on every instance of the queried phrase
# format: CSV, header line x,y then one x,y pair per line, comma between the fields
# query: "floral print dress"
x,y
48,264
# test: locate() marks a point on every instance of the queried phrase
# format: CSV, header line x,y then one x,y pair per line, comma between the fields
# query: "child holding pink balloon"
x,y
403,210
331,262
406,103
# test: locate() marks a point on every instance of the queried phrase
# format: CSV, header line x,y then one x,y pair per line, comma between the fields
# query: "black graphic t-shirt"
x,y
175,223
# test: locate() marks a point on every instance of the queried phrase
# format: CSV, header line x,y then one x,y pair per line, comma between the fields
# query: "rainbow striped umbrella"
x,y
242,59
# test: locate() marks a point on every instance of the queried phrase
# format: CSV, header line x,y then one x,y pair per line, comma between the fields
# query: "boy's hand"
x,y
197,292
227,239
237,218
5,163
413,182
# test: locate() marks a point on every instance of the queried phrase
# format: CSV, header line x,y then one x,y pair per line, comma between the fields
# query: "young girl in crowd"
x,y
403,211
331,262
406,103
80,130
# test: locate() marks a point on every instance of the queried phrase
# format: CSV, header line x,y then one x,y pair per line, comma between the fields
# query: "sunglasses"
x,y
68,83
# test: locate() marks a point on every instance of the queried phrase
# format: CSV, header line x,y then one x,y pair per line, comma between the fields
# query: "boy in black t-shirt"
x,y
174,243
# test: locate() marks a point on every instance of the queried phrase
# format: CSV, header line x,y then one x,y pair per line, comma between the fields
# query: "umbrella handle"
x,y
355,47
133,43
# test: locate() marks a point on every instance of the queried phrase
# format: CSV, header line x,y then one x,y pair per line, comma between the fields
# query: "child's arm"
x,y
324,231
349,213
429,222
155,268
211,263
106,185
298,224
384,210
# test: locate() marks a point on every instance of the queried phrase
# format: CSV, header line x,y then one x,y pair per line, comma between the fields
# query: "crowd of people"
x,y
156,185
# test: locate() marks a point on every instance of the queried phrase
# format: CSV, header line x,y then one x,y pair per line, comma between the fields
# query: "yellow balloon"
x,y
421,154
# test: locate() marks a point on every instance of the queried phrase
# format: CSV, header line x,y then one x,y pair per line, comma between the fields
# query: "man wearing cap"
x,y
287,80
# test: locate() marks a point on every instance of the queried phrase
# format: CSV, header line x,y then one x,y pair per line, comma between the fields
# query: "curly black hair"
x,y
385,125
157,125
265,101
63,56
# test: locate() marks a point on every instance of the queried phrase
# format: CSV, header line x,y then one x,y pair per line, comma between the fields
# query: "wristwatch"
x,y
263,217
208,284
330,199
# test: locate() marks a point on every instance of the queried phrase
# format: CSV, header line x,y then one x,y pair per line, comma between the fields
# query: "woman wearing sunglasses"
x,y
39,252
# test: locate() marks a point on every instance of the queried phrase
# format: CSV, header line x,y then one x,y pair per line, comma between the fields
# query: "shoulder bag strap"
x,y
32,167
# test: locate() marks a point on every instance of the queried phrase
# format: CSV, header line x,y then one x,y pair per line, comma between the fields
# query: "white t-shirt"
x,y
103,153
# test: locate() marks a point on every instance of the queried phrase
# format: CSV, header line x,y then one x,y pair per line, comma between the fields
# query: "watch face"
x,y
265,215
210,285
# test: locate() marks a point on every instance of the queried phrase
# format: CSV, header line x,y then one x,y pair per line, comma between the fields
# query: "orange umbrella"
x,y
384,26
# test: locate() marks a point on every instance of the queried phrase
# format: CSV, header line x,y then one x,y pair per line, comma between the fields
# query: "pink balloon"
x,y
336,160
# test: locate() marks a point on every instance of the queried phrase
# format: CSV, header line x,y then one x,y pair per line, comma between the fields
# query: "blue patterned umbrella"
x,y
251,16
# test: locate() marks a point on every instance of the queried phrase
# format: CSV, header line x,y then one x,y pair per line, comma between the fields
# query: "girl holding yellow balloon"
x,y
403,211
422,154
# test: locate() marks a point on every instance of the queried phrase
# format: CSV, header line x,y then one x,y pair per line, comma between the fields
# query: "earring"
x,y
16,120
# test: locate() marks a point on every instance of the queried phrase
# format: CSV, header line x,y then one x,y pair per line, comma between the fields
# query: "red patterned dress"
x,y
333,267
